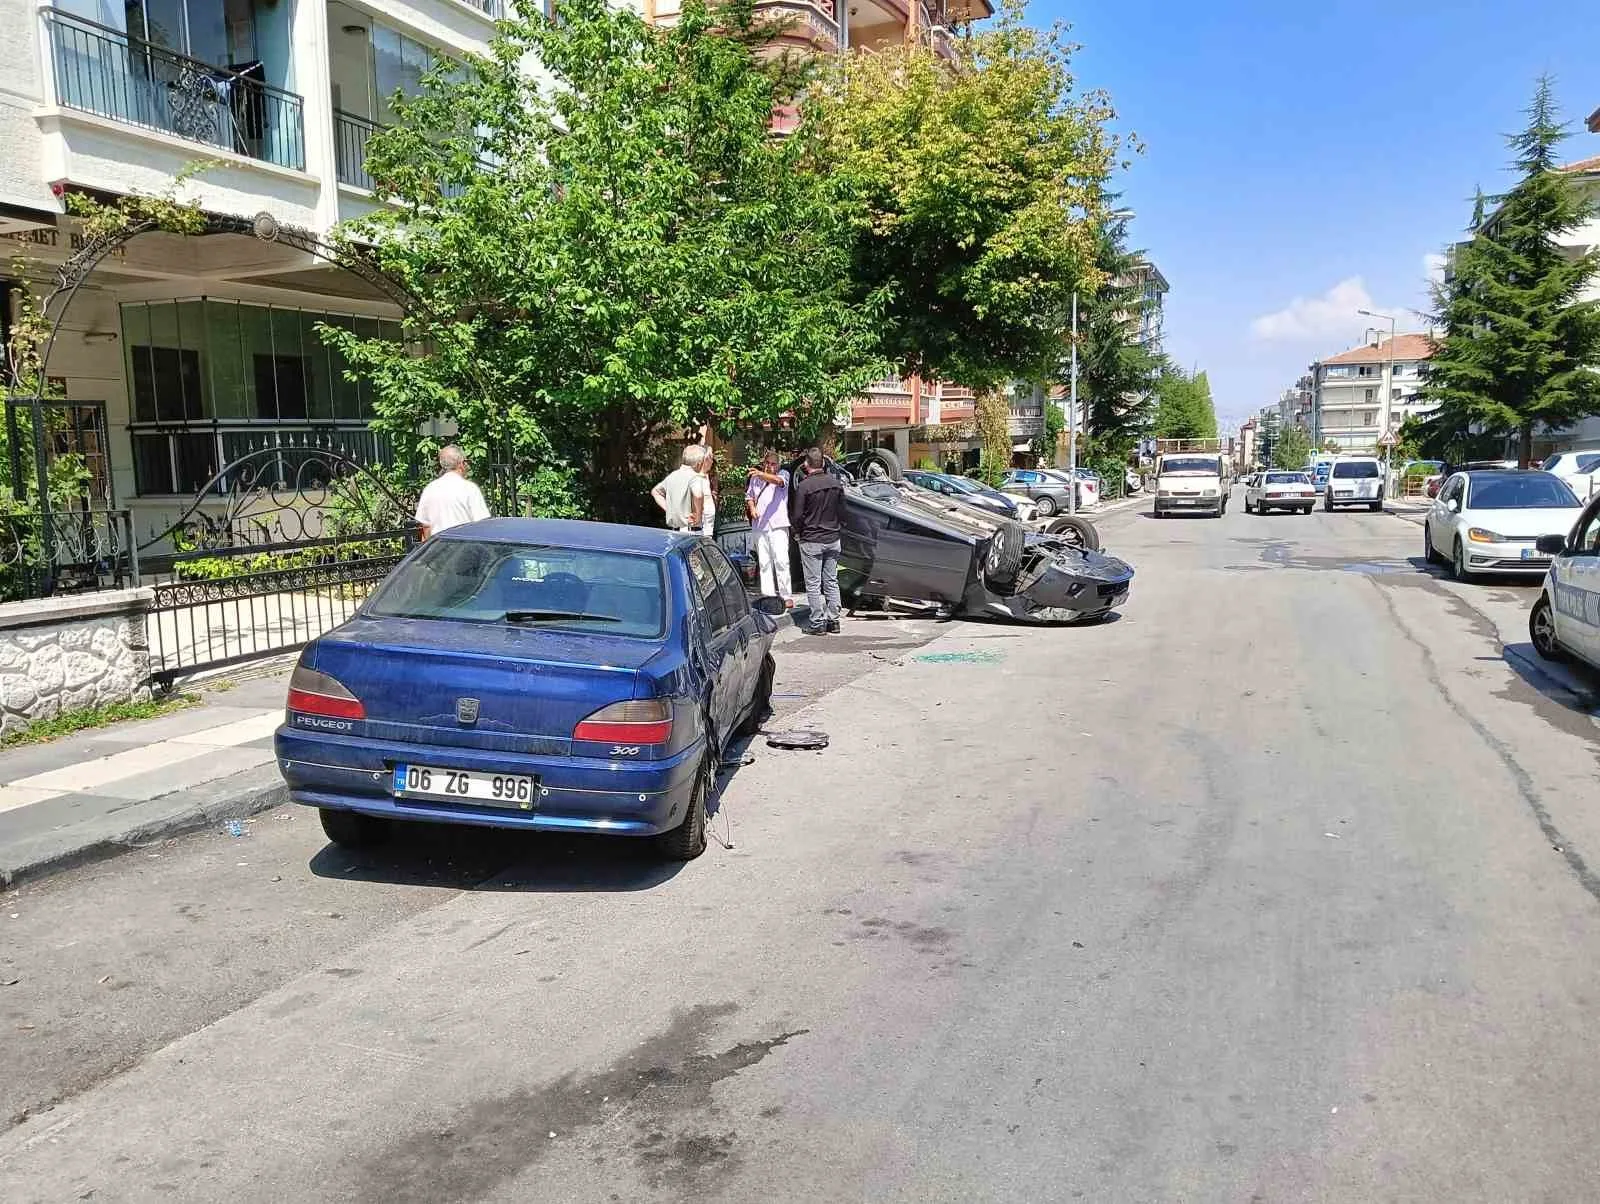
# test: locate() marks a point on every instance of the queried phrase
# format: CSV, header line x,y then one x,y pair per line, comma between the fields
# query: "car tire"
x,y
884,459
1327,502
1079,531
1004,557
761,703
688,840
1542,630
1247,503
1458,562
352,829
1045,507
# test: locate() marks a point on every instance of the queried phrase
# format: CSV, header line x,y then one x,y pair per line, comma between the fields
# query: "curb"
x,y
207,805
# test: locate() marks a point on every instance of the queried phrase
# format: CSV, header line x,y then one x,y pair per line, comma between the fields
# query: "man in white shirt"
x,y
676,492
450,499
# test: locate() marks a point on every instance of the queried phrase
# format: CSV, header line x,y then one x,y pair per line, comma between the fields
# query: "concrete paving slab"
x,y
185,775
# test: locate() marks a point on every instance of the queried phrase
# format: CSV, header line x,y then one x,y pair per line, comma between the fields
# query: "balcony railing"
x,y
350,137
102,71
889,384
816,19
491,8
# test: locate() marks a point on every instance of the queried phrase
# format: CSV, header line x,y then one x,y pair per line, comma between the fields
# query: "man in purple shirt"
x,y
767,502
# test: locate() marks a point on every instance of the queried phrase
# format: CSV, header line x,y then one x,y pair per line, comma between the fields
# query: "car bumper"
x,y
1286,501
1504,558
575,794
1355,499
1188,503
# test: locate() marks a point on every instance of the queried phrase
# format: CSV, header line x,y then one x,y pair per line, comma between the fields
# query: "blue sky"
x,y
1302,158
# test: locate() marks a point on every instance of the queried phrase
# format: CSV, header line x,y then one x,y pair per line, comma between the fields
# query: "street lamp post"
x,y
1072,418
1385,415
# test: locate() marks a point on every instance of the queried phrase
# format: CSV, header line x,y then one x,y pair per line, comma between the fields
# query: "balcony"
x,y
104,72
813,22
350,137
489,8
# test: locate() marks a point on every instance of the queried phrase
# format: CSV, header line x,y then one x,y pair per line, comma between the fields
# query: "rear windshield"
x,y
1177,464
1356,470
1288,478
1522,491
526,585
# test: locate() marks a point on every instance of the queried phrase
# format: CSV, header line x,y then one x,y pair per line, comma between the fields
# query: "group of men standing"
x,y
808,510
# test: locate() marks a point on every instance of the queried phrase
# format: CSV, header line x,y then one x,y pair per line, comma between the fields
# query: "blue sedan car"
x,y
536,674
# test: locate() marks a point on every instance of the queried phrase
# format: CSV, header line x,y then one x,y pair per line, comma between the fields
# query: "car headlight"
x,y
1163,493
1480,535
1209,493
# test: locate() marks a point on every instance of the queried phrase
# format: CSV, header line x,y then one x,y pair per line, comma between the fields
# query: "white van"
x,y
1191,481
1354,481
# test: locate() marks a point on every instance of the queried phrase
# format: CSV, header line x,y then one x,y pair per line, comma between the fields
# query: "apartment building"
x,y
1349,391
1153,288
179,355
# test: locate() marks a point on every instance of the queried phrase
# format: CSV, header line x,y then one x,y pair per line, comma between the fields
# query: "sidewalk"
x,y
97,792
1412,509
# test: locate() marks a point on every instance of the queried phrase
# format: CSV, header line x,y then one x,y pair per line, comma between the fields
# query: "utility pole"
x,y
1072,416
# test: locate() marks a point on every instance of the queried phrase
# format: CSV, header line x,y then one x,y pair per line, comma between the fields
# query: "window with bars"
x,y
209,380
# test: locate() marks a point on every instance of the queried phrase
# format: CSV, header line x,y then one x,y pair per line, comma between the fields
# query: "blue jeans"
x,y
819,564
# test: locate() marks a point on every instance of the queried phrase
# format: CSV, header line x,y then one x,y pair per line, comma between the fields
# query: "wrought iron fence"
x,y
69,552
103,71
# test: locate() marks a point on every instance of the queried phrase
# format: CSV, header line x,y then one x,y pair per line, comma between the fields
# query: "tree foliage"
x,y
607,254
975,191
991,412
1116,372
1291,448
1520,342
1183,408
1045,443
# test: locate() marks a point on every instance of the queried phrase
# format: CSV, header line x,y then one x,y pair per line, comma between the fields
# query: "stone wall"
x,y
66,654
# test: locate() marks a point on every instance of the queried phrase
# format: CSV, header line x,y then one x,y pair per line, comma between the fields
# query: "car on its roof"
x,y
537,674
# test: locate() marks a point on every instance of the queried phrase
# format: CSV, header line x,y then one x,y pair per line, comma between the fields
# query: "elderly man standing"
x,y
450,499
766,500
677,492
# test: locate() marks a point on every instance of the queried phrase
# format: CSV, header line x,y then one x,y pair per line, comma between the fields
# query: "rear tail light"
x,y
640,721
314,693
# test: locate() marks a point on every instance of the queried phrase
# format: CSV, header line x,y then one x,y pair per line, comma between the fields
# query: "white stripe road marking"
x,y
104,770
240,731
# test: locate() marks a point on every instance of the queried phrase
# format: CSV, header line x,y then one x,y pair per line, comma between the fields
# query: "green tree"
x,y
975,190
991,414
1045,443
609,256
1292,448
1116,371
1520,343
1183,408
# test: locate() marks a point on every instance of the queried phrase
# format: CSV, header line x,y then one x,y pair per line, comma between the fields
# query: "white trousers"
x,y
772,553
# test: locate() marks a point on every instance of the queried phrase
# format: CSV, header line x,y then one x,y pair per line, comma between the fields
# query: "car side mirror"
x,y
1551,545
1453,506
771,605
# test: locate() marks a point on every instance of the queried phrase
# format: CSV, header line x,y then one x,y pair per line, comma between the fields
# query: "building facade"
x,y
1356,390
180,354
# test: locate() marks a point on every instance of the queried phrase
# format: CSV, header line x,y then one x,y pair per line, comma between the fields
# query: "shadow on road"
x,y
1572,686
489,859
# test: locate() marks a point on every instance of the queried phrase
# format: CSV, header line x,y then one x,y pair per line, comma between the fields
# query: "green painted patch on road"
x,y
961,658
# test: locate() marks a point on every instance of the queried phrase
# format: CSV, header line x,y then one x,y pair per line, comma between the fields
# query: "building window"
x,y
212,380
1368,394
1369,418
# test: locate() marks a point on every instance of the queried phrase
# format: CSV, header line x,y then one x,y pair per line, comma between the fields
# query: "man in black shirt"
x,y
814,507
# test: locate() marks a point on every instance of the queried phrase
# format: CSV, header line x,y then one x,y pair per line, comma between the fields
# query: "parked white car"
x,y
1565,621
1266,491
1354,481
1579,469
1491,521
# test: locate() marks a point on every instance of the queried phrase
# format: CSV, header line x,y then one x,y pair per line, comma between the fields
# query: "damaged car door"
x,y
890,555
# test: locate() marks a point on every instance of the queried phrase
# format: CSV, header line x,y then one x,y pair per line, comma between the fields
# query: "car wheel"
x,y
1327,502
1542,630
1046,507
761,703
1247,503
1004,557
688,840
1078,531
353,830
1429,556
1458,562
884,459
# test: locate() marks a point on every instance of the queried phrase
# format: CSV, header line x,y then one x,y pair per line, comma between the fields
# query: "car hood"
x,y
1554,521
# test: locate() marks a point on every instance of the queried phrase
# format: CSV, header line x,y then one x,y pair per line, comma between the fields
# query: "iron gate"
x,y
280,547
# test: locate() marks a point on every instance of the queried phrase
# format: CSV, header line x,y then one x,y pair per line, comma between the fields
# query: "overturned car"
x,y
904,542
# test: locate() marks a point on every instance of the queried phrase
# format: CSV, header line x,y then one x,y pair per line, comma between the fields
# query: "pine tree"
x,y
1520,342
1116,371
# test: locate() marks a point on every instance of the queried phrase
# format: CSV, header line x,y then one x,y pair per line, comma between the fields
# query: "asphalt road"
x,y
1277,888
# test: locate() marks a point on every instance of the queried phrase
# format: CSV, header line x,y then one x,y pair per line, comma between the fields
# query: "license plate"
x,y
466,786
1529,553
